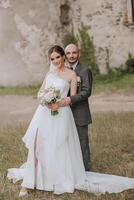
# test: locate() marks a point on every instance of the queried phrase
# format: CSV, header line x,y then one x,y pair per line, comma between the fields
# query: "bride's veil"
x,y
52,67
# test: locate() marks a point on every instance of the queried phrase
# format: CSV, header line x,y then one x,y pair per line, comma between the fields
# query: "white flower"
x,y
50,95
78,79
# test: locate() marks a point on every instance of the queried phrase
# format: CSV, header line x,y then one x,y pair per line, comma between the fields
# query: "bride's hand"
x,y
53,106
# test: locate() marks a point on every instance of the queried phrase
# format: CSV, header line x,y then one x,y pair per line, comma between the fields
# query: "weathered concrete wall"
x,y
28,28
104,22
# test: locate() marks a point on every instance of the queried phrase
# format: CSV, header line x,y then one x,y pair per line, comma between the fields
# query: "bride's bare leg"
x,y
24,190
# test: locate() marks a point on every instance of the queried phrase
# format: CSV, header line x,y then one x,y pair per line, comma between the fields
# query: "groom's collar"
x,y
74,65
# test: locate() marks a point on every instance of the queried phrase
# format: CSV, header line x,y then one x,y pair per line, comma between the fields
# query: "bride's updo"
x,y
56,48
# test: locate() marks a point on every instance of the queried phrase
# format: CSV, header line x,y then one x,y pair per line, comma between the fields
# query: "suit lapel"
x,y
77,69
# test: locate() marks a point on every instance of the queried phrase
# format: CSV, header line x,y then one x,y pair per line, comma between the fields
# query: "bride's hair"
x,y
56,48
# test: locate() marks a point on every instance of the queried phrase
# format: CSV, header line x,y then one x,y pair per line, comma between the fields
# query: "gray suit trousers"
x,y
84,142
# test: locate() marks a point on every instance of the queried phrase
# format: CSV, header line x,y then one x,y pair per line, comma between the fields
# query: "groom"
x,y
79,102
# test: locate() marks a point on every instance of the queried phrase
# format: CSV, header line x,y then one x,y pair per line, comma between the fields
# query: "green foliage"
x,y
26,90
130,64
69,38
112,75
115,81
87,50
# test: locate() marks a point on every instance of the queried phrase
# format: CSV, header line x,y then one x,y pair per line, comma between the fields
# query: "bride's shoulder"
x,y
70,71
71,74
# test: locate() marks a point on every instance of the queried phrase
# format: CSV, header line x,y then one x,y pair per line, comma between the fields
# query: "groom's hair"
x,y
56,48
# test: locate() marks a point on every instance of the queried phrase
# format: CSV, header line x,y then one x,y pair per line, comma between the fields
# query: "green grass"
x,y
30,90
112,151
114,82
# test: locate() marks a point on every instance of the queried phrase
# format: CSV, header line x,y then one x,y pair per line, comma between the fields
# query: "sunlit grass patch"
x,y
114,82
112,143
29,90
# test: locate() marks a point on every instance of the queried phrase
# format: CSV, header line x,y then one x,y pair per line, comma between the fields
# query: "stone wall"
x,y
28,28
104,20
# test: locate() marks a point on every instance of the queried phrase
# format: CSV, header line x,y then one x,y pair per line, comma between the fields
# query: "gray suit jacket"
x,y
80,105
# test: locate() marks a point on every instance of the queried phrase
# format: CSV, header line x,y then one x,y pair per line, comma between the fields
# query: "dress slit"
x,y
35,156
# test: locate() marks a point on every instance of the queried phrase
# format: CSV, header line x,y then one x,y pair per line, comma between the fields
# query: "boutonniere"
x,y
78,79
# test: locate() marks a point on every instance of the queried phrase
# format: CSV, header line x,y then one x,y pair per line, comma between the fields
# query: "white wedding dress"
x,y
54,142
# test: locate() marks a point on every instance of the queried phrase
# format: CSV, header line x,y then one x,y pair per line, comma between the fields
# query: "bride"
x,y
54,161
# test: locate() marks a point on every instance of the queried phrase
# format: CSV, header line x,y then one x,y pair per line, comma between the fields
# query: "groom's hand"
x,y
65,102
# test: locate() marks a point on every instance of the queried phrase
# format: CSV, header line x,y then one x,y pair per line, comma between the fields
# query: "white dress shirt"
x,y
73,66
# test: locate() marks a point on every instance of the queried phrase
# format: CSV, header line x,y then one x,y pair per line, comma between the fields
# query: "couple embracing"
x,y
58,148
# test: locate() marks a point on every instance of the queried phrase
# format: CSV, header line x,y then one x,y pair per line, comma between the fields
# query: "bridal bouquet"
x,y
49,96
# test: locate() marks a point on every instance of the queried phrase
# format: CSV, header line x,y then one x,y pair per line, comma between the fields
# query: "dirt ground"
x,y
20,109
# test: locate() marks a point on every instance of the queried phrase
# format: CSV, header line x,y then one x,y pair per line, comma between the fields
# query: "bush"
x,y
87,50
69,38
130,64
